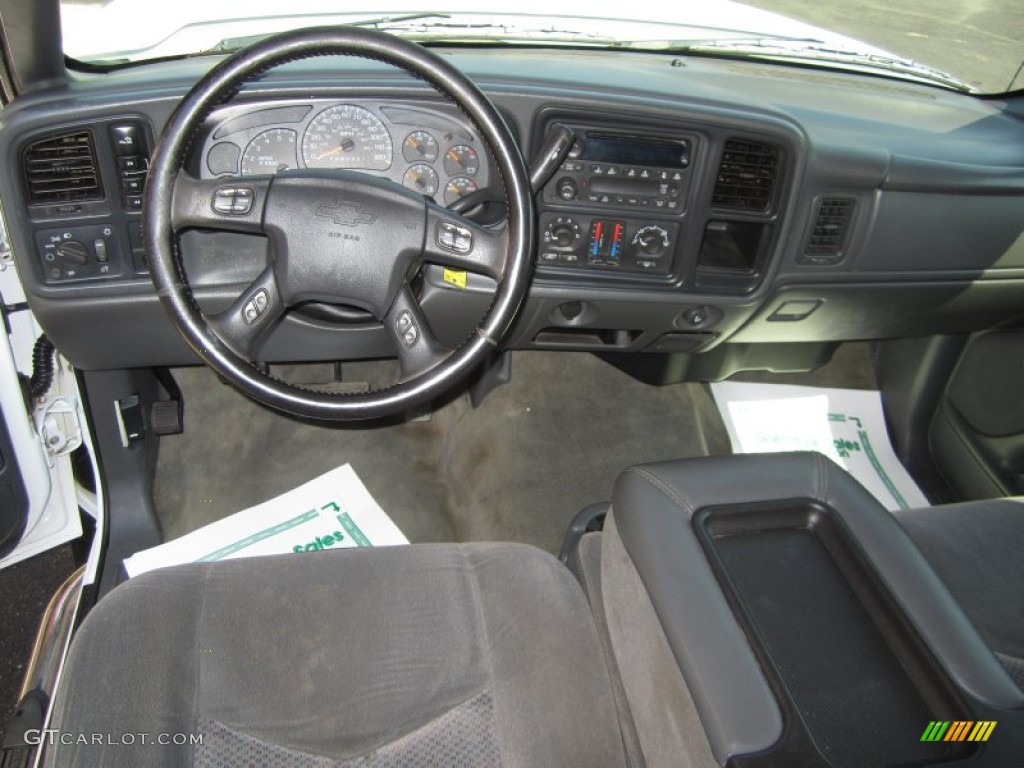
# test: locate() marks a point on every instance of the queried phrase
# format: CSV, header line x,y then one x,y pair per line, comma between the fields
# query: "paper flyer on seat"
x,y
847,425
332,511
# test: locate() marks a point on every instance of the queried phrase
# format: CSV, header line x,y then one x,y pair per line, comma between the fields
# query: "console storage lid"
x,y
807,625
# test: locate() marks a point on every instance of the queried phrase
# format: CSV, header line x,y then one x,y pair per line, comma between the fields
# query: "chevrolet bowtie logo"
x,y
346,214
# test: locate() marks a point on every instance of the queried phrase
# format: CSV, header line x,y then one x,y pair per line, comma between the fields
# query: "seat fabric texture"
x,y
434,655
974,547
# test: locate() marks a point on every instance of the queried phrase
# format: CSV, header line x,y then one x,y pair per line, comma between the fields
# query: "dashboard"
x,y
713,214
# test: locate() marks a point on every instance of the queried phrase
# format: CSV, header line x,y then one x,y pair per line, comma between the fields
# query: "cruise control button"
x,y
255,306
404,321
410,336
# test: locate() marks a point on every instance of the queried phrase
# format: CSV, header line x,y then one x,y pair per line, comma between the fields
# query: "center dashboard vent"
x,y
746,176
62,169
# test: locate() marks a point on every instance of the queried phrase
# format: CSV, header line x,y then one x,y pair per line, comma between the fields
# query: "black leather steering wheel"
x,y
336,236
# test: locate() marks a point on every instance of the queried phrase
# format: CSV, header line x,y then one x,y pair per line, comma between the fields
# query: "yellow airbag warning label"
x,y
456,277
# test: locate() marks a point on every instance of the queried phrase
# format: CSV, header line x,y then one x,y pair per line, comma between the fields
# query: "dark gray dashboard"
x,y
878,209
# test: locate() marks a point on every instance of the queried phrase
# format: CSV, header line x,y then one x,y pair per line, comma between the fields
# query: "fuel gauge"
x,y
419,146
421,178
458,188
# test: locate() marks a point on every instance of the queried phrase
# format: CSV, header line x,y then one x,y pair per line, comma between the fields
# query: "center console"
x,y
771,599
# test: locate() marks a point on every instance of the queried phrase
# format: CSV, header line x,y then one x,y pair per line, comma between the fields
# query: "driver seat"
x,y
427,655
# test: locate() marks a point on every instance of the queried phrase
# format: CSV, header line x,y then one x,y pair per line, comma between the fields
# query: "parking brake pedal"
x,y
167,417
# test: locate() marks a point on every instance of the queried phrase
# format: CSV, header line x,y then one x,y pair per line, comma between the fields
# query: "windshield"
x,y
959,44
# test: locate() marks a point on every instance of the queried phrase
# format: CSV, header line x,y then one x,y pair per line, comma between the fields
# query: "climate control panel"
x,y
607,242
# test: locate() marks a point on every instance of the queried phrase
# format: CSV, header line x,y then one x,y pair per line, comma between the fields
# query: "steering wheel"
x,y
336,236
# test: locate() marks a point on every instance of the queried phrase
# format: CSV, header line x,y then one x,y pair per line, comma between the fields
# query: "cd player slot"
x,y
631,172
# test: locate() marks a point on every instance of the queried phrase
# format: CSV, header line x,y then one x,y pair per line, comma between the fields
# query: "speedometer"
x,y
347,136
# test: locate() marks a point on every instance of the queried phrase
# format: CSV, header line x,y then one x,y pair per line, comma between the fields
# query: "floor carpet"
x,y
515,469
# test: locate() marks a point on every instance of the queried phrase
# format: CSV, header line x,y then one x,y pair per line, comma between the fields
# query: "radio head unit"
x,y
623,171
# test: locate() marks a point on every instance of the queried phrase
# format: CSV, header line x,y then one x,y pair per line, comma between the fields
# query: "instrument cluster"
x,y
427,148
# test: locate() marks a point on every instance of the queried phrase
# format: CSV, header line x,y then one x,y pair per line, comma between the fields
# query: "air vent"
x,y
62,169
746,176
827,241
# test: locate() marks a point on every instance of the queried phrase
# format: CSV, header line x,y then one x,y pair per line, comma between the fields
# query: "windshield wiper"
x,y
809,49
232,44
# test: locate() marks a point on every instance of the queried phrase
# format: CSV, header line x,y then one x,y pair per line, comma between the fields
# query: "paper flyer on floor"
x,y
847,425
331,511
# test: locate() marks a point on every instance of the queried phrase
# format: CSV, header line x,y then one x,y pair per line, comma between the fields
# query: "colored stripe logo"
x,y
958,730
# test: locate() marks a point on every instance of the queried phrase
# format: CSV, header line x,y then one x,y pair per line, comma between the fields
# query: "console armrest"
x,y
655,508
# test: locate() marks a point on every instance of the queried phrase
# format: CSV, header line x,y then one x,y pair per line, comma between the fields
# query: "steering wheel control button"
x,y
234,201
244,199
224,200
256,306
405,325
454,237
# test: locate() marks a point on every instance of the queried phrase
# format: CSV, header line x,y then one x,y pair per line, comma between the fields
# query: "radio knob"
x,y
566,188
72,253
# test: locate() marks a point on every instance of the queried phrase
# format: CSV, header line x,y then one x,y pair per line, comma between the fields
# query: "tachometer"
x,y
347,136
270,152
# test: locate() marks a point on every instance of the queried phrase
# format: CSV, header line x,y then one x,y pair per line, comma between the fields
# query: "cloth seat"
x,y
428,655
974,547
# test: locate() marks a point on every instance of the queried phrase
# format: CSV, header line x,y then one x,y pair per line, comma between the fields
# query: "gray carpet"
x,y
516,469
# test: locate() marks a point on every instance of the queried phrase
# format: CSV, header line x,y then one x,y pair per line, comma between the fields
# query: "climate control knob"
x,y
651,241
